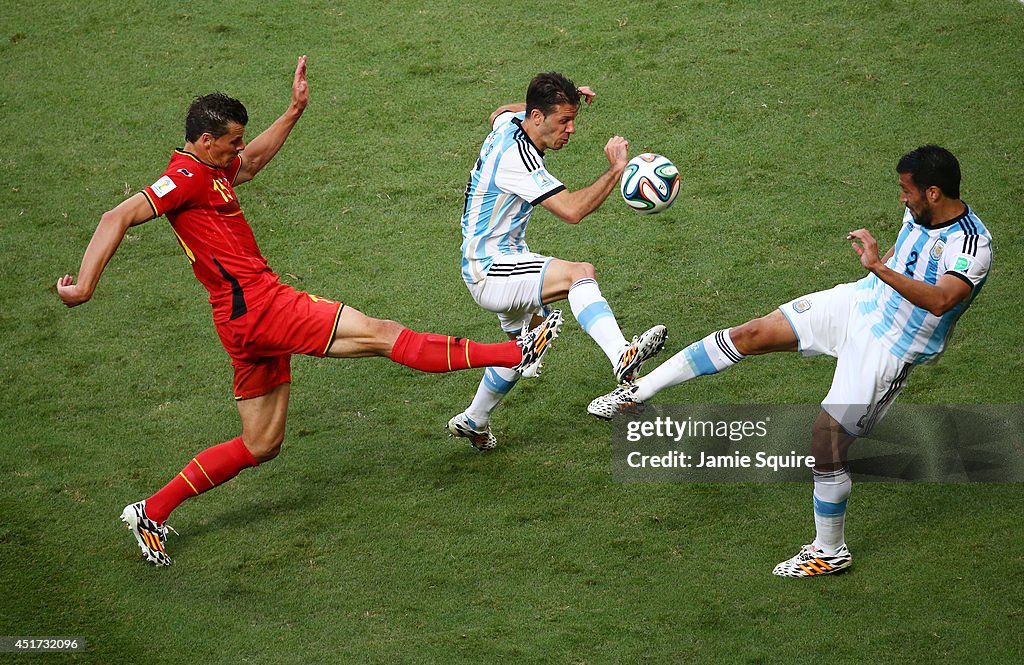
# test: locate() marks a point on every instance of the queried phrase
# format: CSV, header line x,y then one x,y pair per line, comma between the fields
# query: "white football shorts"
x,y
868,378
512,289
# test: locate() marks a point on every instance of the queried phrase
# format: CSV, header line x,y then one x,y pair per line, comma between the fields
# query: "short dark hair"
x,y
211,114
932,166
548,90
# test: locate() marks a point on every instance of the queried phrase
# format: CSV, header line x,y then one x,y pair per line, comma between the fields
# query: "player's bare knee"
x,y
830,443
583,271
264,451
377,336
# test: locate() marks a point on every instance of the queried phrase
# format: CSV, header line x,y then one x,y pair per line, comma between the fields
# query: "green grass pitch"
x,y
374,538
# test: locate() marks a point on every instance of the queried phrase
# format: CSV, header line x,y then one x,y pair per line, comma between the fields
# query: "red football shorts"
x,y
262,341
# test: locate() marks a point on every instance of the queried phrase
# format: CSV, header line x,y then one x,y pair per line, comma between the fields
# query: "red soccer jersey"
x,y
204,212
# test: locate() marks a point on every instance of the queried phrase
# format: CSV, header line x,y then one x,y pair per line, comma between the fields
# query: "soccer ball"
x,y
650,183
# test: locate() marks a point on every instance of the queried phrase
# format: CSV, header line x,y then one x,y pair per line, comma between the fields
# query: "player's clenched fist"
x,y
617,151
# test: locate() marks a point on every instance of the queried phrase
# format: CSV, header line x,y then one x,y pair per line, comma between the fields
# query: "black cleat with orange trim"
x,y
811,561
152,537
537,342
643,347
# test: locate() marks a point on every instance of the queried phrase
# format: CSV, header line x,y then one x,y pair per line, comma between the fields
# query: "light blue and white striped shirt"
x,y
507,182
962,247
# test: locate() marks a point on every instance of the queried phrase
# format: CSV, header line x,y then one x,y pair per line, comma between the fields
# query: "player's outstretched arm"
x,y
105,241
938,299
572,207
263,148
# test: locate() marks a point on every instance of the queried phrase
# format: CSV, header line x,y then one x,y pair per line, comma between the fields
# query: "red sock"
x,y
438,353
214,466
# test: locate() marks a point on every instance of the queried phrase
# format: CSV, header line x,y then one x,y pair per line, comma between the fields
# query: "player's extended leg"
x,y
474,423
828,553
358,336
717,352
263,426
578,283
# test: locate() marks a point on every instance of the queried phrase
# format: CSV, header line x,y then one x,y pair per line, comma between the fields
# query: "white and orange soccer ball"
x,y
650,183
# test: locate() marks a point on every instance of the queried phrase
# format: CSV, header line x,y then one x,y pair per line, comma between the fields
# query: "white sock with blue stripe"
x,y
831,492
711,355
497,382
596,318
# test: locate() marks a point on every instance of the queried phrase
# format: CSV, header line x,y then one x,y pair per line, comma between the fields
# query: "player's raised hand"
x,y
866,247
617,151
300,86
588,94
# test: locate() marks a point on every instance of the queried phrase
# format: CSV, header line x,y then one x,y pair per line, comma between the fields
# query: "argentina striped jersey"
x,y
507,182
962,247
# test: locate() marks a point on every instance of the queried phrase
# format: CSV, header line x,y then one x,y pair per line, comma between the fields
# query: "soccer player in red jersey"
x,y
261,322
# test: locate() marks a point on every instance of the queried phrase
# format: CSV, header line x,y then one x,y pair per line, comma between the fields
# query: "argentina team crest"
x,y
937,248
801,306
